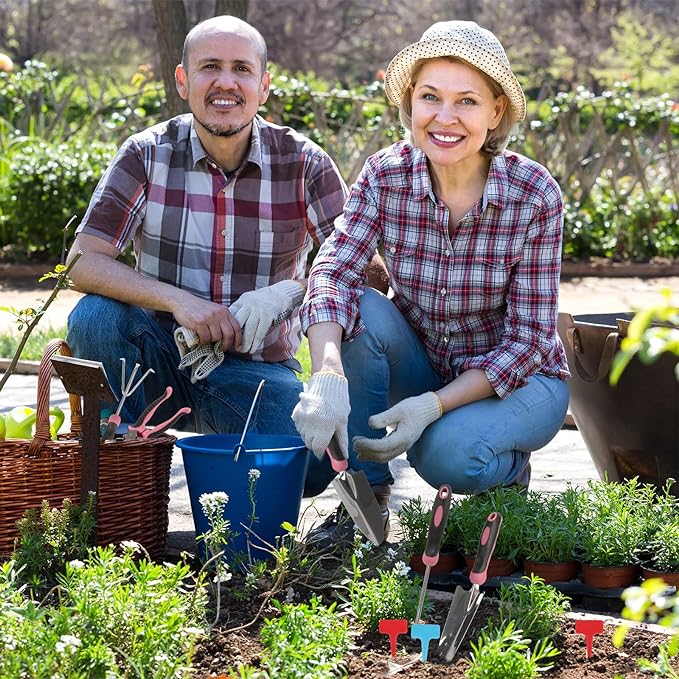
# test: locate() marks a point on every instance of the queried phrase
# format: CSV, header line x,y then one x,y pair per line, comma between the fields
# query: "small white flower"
x,y
391,553
250,579
290,595
130,546
76,563
401,568
213,503
67,644
254,474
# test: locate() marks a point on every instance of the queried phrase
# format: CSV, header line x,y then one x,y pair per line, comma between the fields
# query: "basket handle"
x,y
42,421
609,350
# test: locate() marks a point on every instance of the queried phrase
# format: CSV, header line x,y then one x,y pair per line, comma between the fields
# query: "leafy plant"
x,y
307,640
550,533
537,609
616,521
504,653
117,616
651,333
471,513
664,547
50,538
389,595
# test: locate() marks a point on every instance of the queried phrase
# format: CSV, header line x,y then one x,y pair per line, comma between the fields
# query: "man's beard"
x,y
217,131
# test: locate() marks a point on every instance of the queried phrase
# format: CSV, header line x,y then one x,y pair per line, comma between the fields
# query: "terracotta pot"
x,y
550,571
497,567
448,561
609,577
669,578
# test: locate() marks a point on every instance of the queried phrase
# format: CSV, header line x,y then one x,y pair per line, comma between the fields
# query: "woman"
x,y
464,364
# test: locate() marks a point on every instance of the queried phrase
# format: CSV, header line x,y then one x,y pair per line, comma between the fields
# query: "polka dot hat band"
x,y
465,40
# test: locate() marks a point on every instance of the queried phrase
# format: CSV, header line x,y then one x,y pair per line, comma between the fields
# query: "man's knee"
x,y
94,313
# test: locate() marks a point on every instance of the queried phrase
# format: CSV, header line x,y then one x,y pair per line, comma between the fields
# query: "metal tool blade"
x,y
359,500
462,602
357,496
459,620
465,603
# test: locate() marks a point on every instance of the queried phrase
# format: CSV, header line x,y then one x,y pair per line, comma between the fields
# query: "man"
x,y
223,209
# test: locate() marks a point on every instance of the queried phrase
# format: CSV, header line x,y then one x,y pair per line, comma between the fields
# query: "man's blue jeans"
x,y
102,329
472,448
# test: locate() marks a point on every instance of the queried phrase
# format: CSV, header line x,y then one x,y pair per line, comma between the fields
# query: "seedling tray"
x,y
588,597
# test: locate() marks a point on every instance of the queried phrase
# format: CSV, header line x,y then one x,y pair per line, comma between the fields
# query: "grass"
x,y
35,345
40,337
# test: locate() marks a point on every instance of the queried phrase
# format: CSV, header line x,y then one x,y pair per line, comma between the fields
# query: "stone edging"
x,y
607,269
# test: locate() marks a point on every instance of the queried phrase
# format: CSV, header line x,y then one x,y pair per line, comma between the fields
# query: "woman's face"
x,y
453,108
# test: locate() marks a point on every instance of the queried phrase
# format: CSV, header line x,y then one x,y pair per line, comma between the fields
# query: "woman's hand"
x,y
323,412
409,418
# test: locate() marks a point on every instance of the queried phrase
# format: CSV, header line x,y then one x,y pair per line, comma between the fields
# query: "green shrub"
x,y
47,185
307,640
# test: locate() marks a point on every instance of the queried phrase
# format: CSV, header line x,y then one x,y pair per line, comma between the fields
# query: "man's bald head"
x,y
224,25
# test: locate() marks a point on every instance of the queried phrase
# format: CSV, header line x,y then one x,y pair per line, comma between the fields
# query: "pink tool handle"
x,y
479,571
437,525
338,462
144,432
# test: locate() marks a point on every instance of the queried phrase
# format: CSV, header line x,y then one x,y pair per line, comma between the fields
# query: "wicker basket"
x,y
134,476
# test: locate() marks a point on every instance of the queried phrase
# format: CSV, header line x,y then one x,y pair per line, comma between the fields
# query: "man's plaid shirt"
x,y
484,297
216,236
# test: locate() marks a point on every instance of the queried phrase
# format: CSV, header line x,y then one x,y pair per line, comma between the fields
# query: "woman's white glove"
x,y
258,311
409,418
323,412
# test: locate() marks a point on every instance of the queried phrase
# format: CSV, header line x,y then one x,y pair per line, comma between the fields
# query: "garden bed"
x,y
223,652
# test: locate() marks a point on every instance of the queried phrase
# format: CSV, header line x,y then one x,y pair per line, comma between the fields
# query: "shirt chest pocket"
x,y
490,278
402,262
283,247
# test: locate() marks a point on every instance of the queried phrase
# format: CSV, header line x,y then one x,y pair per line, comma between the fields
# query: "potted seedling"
x,y
549,541
414,517
664,550
611,530
470,516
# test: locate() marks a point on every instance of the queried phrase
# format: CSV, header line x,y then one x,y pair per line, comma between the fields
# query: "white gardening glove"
x,y
409,418
323,412
257,311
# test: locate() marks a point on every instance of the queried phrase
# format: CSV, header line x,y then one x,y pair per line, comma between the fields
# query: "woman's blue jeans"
x,y
477,446
103,329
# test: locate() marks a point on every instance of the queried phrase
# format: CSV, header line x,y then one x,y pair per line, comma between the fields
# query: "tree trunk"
x,y
236,8
171,30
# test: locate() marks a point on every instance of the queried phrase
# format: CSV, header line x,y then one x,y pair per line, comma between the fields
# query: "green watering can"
x,y
19,422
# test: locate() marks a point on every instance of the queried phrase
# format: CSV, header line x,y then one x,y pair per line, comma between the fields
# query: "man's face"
x,y
223,83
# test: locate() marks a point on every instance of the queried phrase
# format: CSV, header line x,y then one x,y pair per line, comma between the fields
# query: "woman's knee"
x,y
460,462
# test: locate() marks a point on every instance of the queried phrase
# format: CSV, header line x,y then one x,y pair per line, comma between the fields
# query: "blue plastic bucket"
x,y
282,462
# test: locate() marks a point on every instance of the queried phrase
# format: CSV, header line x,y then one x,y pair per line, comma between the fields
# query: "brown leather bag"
x,y
631,429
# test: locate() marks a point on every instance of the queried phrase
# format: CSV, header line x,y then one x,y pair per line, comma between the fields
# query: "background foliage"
x,y
603,112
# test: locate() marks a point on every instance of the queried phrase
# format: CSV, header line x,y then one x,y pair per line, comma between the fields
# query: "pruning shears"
x,y
143,430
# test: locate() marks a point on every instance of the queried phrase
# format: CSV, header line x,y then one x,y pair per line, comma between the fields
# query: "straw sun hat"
x,y
465,40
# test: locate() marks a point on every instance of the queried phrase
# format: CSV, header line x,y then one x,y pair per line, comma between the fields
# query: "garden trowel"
x,y
357,496
465,603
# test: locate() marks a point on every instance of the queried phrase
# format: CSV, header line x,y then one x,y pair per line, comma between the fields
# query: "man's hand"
x,y
409,418
258,310
211,322
323,411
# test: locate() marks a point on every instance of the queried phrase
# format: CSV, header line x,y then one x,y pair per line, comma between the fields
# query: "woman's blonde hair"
x,y
496,140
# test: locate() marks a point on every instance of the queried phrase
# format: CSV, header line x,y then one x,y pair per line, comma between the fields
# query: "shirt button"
x,y
392,249
445,339
222,278
447,253
213,166
443,292
223,232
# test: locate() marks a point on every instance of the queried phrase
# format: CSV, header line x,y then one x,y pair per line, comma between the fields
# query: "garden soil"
x,y
370,657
